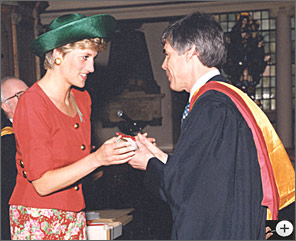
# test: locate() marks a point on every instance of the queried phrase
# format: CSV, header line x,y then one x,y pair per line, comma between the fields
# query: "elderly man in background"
x,y
11,90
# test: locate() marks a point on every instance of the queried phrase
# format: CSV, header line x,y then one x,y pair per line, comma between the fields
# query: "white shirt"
x,y
202,80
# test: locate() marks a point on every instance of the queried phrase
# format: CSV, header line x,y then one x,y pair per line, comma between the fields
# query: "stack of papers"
x,y
103,231
106,224
92,215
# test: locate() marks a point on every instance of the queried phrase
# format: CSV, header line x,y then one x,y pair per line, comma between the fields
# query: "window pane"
x,y
272,36
272,70
224,26
266,82
266,93
264,24
267,71
267,47
232,17
272,104
265,14
265,104
257,15
266,36
272,23
272,47
223,17
258,95
272,81
272,58
272,93
230,25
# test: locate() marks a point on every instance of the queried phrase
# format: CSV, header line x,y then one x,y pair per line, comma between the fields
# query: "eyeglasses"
x,y
17,95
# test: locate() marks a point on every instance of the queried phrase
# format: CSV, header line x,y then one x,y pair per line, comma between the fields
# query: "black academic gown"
x,y
8,177
212,181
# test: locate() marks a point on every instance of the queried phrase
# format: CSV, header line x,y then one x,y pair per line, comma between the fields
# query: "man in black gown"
x,y
212,181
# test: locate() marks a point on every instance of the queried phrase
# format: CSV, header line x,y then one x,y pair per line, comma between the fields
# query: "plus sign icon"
x,y
280,230
284,228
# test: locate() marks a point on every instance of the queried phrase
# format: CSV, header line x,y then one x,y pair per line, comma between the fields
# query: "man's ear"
x,y
5,107
190,53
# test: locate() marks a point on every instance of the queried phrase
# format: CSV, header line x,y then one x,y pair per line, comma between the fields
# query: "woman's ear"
x,y
57,54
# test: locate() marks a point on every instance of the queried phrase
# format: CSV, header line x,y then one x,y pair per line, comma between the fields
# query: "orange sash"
x,y
277,172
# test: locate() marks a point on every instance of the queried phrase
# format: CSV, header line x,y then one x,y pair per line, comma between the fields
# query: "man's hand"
x,y
141,157
150,144
268,232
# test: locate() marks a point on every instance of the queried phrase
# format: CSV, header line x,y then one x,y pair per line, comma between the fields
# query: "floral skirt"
x,y
46,224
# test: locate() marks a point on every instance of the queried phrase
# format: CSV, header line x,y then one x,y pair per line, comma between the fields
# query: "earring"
x,y
58,61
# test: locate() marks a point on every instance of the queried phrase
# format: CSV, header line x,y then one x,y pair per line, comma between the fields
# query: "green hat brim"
x,y
102,26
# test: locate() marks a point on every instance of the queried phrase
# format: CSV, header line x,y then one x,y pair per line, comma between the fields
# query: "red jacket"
x,y
48,139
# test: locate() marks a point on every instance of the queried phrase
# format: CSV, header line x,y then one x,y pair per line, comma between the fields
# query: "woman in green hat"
x,y
52,130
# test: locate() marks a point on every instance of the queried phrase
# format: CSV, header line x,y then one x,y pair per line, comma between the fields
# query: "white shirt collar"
x,y
202,80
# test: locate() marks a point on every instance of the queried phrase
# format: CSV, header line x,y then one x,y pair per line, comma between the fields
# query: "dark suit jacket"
x,y
8,177
212,181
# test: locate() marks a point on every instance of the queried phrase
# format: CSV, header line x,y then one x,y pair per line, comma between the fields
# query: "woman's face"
x,y
76,65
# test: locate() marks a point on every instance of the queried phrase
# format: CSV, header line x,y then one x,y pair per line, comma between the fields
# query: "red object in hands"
x,y
128,138
125,136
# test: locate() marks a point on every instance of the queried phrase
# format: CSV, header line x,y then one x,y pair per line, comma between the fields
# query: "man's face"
x,y
176,68
12,89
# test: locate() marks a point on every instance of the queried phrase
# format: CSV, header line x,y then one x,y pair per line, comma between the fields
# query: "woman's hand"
x,y
110,153
113,152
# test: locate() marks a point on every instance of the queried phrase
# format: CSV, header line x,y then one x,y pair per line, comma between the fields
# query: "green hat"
x,y
70,28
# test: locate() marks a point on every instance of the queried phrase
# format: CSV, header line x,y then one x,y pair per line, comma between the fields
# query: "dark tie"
x,y
185,113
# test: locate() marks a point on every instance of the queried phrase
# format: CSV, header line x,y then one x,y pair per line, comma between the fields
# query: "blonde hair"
x,y
95,44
